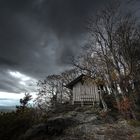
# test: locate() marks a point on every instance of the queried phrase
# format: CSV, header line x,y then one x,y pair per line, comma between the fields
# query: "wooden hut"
x,y
85,90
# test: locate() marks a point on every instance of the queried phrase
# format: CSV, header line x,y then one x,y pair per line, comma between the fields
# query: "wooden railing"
x,y
87,99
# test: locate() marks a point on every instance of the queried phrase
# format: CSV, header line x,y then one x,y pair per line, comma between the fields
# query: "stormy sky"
x,y
38,38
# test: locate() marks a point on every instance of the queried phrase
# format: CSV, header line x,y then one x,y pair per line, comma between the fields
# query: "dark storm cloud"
x,y
27,24
40,37
67,16
7,62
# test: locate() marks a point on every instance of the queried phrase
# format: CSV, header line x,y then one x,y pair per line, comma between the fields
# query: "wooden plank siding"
x,y
84,92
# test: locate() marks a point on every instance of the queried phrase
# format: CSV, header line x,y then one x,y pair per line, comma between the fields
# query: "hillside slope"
x,y
82,124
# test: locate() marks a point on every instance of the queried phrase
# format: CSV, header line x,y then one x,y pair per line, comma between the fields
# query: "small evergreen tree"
x,y
24,102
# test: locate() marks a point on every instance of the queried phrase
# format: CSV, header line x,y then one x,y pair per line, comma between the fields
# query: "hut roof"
x,y
72,83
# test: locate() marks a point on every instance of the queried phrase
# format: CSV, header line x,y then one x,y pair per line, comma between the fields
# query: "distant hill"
x,y
7,108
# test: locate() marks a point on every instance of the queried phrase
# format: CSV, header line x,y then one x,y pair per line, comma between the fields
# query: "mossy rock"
x,y
136,136
134,123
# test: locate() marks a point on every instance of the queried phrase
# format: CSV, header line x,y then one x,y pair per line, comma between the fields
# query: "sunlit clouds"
x,y
19,75
24,80
22,84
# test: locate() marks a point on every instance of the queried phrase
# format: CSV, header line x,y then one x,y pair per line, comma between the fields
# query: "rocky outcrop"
x,y
90,131
80,124
53,127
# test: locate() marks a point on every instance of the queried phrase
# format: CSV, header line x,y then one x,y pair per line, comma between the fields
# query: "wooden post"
x,y
72,102
82,104
93,102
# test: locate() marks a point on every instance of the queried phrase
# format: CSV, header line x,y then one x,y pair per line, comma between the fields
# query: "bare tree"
x,y
48,91
112,53
52,90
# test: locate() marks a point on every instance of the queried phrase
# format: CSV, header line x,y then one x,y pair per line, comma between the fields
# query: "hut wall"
x,y
85,92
